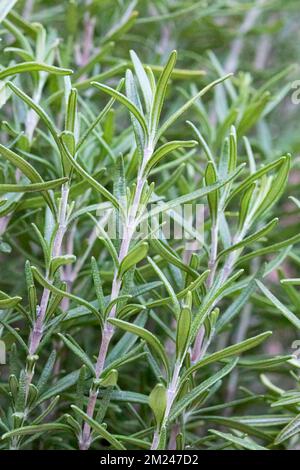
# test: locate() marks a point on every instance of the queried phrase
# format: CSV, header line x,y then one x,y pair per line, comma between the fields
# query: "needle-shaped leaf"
x,y
99,118
213,197
277,187
289,431
95,184
188,104
279,305
98,429
162,151
158,403
77,350
27,169
246,443
255,176
59,261
251,238
35,429
135,255
143,80
183,332
38,110
30,188
167,285
15,334
160,93
188,399
133,96
146,335
58,291
233,350
125,101
102,234
245,205
33,67
71,110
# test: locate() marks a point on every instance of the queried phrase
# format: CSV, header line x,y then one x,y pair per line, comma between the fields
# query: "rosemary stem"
x,y
171,395
108,329
38,327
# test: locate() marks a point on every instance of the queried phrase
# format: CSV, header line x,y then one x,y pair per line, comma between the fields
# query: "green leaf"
x,y
8,302
213,197
143,80
95,184
240,442
102,235
270,249
169,255
125,101
235,349
149,337
58,291
59,261
35,187
251,238
69,141
62,384
38,110
183,332
15,334
71,110
253,113
100,430
289,431
283,309
178,408
245,205
46,372
33,67
255,176
36,428
277,187
140,443
293,281
99,118
134,354
98,284
27,169
162,151
167,285
236,306
238,424
135,255
123,24
188,104
192,286
158,403
109,379
232,150
76,349
198,194
160,93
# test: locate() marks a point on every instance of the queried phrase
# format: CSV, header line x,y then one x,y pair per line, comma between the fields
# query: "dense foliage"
x,y
128,338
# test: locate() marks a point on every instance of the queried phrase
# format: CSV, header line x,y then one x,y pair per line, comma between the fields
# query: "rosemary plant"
x,y
118,332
